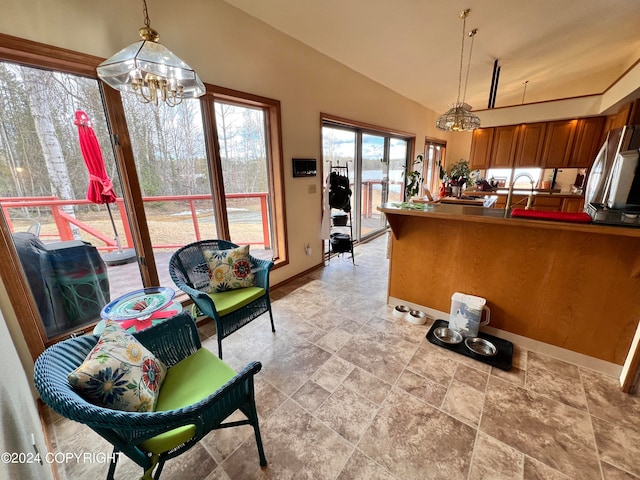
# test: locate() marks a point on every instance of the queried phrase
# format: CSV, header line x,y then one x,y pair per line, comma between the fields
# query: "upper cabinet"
x,y
504,146
558,142
530,144
481,148
589,138
564,143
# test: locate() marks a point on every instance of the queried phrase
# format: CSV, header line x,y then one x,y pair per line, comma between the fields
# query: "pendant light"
x,y
150,71
459,117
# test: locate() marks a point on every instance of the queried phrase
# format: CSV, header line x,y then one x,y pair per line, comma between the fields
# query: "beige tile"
x,y
194,463
618,445
606,401
464,403
361,467
367,385
493,460
515,375
297,445
223,442
424,389
311,396
399,328
378,353
535,470
411,439
434,363
557,385
288,367
332,373
347,412
547,430
558,366
268,398
333,340
471,377
612,473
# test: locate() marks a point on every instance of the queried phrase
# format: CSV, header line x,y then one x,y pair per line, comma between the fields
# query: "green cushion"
x,y
232,300
187,382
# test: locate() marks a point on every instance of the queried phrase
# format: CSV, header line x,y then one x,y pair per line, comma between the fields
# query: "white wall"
x,y
19,418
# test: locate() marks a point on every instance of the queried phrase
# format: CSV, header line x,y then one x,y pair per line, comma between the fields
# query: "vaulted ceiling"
x,y
560,48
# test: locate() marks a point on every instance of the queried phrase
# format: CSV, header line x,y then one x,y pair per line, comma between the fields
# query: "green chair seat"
x,y
232,300
187,382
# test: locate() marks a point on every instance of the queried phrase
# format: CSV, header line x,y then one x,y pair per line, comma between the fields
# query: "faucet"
x,y
507,205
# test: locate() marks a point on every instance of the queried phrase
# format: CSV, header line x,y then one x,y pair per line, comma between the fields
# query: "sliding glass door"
x,y
376,162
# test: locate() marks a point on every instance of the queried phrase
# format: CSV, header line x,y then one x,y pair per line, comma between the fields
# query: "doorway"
x,y
376,160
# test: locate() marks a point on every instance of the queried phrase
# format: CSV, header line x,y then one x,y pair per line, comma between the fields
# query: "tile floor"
x,y
348,391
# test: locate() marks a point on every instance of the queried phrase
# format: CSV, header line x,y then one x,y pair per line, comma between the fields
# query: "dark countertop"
x,y
524,191
496,216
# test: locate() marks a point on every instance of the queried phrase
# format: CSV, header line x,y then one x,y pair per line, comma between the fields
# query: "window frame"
x,y
39,55
275,162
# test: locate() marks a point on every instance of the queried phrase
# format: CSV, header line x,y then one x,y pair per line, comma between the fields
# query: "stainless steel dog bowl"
x,y
400,311
481,346
446,335
416,317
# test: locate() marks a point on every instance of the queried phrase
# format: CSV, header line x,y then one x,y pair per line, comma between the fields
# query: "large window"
x,y
172,182
242,136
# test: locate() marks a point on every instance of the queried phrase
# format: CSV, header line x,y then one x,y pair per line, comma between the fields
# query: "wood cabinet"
x,y
589,133
504,146
530,144
547,203
481,148
563,143
572,204
558,142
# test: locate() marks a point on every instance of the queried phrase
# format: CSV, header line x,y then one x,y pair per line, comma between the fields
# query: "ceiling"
x,y
561,48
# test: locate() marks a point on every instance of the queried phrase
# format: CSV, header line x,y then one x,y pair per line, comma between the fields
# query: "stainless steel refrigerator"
x,y
612,195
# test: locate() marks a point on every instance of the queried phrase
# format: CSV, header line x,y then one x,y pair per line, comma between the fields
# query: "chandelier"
x,y
459,117
149,70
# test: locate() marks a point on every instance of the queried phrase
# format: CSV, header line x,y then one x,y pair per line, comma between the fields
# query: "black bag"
x,y
339,192
340,242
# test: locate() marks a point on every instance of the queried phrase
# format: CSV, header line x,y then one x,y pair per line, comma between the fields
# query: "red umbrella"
x,y
100,186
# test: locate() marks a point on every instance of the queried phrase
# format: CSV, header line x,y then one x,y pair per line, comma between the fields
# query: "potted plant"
x,y
413,179
459,174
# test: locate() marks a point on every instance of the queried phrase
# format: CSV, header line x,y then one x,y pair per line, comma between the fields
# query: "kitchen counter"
x,y
523,191
571,285
466,213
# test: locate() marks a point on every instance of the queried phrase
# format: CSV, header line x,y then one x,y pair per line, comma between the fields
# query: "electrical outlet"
x,y
307,248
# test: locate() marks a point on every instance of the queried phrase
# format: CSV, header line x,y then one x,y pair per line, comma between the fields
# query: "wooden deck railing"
x,y
64,221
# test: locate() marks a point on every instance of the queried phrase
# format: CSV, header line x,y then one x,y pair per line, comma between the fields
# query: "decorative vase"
x,y
456,191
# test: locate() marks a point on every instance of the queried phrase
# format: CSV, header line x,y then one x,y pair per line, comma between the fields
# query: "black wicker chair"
x,y
230,310
136,434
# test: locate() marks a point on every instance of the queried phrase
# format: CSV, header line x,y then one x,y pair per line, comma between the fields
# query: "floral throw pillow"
x,y
119,373
229,269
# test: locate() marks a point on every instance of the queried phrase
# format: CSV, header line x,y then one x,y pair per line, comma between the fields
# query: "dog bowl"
x,y
400,311
446,335
416,317
481,346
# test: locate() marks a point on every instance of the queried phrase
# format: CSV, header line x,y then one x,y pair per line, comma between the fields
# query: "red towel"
x,y
580,217
147,322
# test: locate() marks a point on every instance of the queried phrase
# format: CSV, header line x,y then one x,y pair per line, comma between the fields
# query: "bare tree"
x,y
38,98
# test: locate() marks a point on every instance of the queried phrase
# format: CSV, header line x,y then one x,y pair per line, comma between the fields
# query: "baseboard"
x,y
575,358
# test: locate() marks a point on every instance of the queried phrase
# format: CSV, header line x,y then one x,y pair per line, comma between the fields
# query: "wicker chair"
x,y
231,310
133,433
